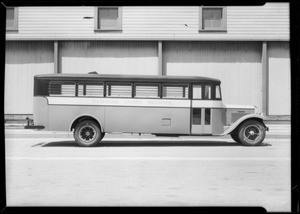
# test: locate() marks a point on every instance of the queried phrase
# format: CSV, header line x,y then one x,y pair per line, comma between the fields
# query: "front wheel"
x,y
251,133
235,137
87,133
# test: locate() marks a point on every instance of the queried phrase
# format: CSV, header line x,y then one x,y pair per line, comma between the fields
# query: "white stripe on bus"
x,y
96,101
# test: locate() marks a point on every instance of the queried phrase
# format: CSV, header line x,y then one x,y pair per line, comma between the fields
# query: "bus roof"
x,y
120,78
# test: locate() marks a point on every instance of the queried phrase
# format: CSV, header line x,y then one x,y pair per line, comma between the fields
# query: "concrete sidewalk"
x,y
276,131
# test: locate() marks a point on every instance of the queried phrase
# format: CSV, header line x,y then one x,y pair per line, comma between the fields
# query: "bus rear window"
x,y
62,89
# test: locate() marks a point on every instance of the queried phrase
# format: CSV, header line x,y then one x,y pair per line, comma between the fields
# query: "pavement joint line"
x,y
146,158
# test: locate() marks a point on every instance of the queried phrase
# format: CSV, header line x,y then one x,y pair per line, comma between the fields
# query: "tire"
x,y
235,137
251,133
87,133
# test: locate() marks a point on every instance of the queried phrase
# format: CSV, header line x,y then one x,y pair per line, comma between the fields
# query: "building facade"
x,y
246,47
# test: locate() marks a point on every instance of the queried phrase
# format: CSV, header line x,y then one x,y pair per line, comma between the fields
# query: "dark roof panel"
x,y
107,77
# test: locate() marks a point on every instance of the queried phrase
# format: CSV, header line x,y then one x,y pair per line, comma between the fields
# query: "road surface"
x,y
152,172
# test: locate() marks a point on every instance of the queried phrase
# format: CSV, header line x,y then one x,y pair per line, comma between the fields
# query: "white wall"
x,y
236,64
109,57
279,78
23,60
266,22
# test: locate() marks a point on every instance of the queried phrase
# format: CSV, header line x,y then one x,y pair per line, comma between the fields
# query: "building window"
x,y
11,18
212,18
108,18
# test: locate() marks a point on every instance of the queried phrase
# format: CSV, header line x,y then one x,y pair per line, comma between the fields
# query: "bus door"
x,y
201,110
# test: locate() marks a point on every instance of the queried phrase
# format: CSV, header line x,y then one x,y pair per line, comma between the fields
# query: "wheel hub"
x,y
87,133
251,132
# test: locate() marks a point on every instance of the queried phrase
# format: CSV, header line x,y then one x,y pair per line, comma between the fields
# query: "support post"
x,y
160,64
265,74
56,68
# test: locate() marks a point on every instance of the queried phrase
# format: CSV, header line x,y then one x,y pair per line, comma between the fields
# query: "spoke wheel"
x,y
87,133
251,133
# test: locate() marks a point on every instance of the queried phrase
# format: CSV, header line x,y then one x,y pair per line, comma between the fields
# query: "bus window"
x,y
196,116
118,90
207,92
207,116
146,91
218,92
62,89
94,90
175,92
197,92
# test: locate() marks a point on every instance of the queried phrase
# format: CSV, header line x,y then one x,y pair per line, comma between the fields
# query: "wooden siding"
x,y
23,60
279,78
109,57
236,64
267,22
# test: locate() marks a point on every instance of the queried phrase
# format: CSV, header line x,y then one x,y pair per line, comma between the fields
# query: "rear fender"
x,y
241,120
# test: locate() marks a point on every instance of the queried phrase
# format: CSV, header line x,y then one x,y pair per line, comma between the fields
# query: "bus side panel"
x,y
62,116
40,112
218,120
147,120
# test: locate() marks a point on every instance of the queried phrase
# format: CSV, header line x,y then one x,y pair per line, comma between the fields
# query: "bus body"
x,y
93,104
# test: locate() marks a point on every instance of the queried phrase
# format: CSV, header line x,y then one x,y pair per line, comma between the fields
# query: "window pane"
x,y
207,116
113,18
196,116
175,92
103,18
113,14
207,92
119,90
218,93
197,92
212,17
108,18
146,91
10,14
212,13
103,13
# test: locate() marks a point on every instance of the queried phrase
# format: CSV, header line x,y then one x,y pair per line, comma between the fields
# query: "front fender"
x,y
239,121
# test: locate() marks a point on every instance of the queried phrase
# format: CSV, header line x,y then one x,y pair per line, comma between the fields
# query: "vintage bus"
x,y
91,105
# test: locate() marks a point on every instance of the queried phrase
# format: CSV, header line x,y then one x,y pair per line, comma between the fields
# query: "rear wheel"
x,y
251,133
87,133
